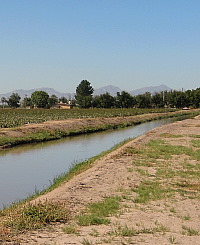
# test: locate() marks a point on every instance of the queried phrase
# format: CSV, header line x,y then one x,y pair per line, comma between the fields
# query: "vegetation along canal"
x,y
25,169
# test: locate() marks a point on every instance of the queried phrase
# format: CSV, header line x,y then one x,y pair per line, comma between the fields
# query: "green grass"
x,y
194,136
161,228
188,166
189,186
189,231
189,174
70,230
196,154
159,149
149,191
97,213
172,240
186,217
110,205
142,172
92,219
94,233
196,143
86,242
172,210
167,135
165,172
157,154
126,231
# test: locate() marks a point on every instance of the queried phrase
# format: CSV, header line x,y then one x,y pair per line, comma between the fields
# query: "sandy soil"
x,y
172,220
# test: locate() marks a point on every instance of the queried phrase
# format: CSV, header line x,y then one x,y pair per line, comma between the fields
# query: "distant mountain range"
x,y
27,93
112,90
152,89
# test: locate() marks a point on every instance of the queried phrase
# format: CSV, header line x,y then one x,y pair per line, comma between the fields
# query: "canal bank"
x,y
30,168
51,130
166,158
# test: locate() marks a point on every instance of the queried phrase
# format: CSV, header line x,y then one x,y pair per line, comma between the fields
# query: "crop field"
x,y
16,117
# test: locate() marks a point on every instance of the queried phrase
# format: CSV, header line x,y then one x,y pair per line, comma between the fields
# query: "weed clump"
x,y
35,216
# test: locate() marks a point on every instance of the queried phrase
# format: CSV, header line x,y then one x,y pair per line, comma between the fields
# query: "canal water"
x,y
25,169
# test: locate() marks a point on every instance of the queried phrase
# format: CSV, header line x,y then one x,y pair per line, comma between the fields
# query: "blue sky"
x,y
125,43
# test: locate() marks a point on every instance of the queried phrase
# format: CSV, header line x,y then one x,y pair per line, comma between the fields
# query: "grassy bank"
x,y
25,215
16,136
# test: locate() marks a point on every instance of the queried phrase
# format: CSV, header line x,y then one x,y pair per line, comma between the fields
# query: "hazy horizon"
x,y
69,92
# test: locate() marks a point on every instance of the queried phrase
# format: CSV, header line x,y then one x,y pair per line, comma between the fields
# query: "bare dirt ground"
x,y
173,218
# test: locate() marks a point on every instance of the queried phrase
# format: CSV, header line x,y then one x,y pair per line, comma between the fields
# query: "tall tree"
x,y
157,100
124,100
84,93
144,100
52,100
103,101
40,99
26,102
196,98
13,100
4,101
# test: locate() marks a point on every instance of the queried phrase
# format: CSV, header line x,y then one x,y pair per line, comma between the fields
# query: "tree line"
x,y
171,99
84,99
38,99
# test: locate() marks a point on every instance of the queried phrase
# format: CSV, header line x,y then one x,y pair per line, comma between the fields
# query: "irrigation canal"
x,y
25,169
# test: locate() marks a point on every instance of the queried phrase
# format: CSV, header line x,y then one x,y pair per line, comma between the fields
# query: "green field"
x,y
16,117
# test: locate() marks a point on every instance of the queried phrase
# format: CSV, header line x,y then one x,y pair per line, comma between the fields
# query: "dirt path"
x,y
171,218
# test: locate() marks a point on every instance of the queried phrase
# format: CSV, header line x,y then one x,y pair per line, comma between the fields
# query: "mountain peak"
x,y
151,89
112,90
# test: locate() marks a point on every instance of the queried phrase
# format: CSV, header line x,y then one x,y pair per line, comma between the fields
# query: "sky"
x,y
125,43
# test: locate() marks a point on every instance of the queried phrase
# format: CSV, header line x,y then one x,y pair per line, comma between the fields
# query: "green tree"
x,y
178,99
196,98
13,100
144,100
26,102
40,99
4,101
124,100
103,101
63,99
84,93
96,101
52,100
157,100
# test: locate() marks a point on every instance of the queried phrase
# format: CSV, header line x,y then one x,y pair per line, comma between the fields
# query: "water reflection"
x,y
28,167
